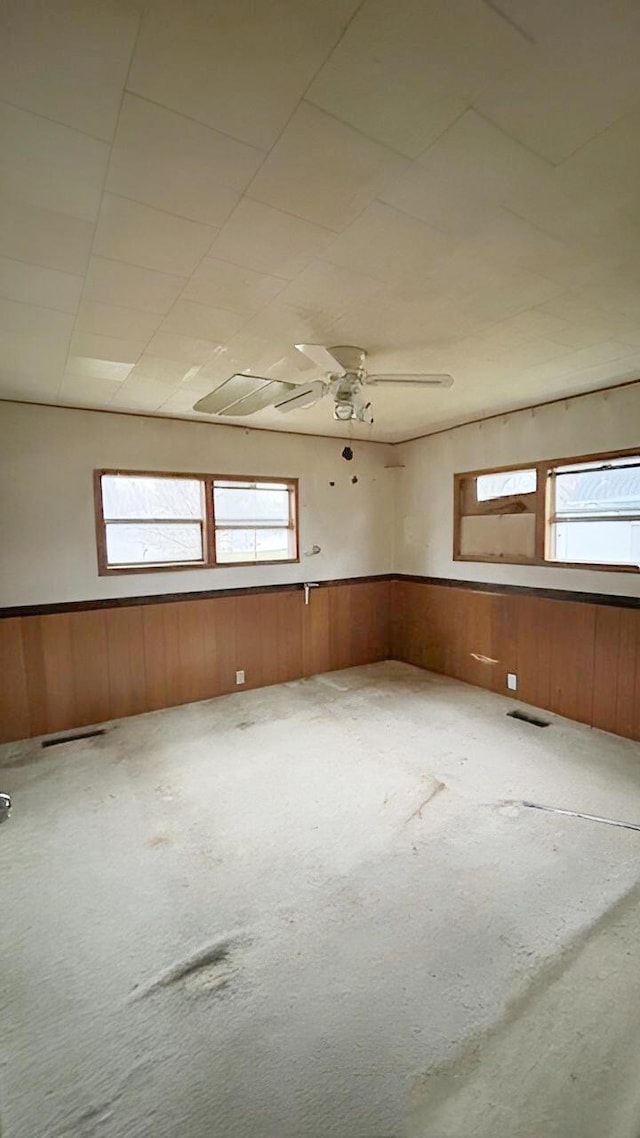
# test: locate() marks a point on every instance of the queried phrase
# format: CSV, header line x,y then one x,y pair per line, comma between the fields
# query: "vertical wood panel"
x,y
339,626
605,687
155,657
89,651
628,667
315,617
220,649
59,679
191,673
249,613
126,656
34,674
14,707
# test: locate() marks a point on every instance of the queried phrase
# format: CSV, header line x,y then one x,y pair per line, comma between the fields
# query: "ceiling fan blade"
x,y
410,380
303,395
243,395
322,358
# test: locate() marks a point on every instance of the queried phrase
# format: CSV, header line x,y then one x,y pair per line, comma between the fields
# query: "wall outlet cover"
x,y
240,676
512,681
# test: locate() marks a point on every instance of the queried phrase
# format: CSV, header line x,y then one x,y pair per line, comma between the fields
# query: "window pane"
x,y
136,496
151,543
583,492
246,504
606,543
253,545
505,484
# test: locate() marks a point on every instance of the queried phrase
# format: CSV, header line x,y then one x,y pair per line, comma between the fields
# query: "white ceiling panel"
x,y
452,186
93,346
324,171
114,282
222,284
33,146
389,245
256,236
68,61
139,235
572,86
114,320
185,349
41,237
238,66
173,163
201,321
404,72
33,284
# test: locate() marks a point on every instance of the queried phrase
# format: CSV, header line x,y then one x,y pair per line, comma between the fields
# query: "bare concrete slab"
x,y
320,910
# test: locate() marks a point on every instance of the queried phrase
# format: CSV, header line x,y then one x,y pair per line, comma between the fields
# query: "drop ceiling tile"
x,y
42,237
571,88
82,391
89,369
31,320
173,163
41,357
240,67
224,285
402,73
33,284
93,346
157,370
330,290
114,320
114,282
139,235
201,321
389,245
141,395
473,152
324,171
68,61
185,349
258,237
455,209
50,165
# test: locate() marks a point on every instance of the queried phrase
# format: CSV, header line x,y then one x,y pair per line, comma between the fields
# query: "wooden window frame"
x,y
539,504
208,522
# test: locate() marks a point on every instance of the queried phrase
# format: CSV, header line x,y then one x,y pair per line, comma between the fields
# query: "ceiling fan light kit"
x,y
346,377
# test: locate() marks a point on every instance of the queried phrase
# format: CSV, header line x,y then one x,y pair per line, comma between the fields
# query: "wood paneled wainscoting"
x,y
67,666
574,654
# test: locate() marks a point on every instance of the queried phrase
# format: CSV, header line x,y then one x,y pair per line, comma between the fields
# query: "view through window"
x,y
147,521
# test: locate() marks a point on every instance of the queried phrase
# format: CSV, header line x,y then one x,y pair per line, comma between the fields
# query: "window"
x,y
595,512
574,513
149,521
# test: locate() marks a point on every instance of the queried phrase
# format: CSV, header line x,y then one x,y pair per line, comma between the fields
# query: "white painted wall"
x,y
424,517
47,530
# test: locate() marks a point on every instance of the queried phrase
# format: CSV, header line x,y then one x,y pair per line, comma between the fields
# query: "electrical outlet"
x,y
512,681
240,676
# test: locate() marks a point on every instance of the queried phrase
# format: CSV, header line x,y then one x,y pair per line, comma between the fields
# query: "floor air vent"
x,y
526,718
73,738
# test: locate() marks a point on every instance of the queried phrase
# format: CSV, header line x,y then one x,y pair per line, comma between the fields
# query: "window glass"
x,y
596,512
505,484
140,496
254,545
245,504
132,543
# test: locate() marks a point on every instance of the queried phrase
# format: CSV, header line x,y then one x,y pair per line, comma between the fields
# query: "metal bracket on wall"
x,y
308,585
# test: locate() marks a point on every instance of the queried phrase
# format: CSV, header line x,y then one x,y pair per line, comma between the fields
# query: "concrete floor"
x,y
314,911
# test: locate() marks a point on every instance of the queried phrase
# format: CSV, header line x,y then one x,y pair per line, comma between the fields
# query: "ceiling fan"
x,y
347,379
